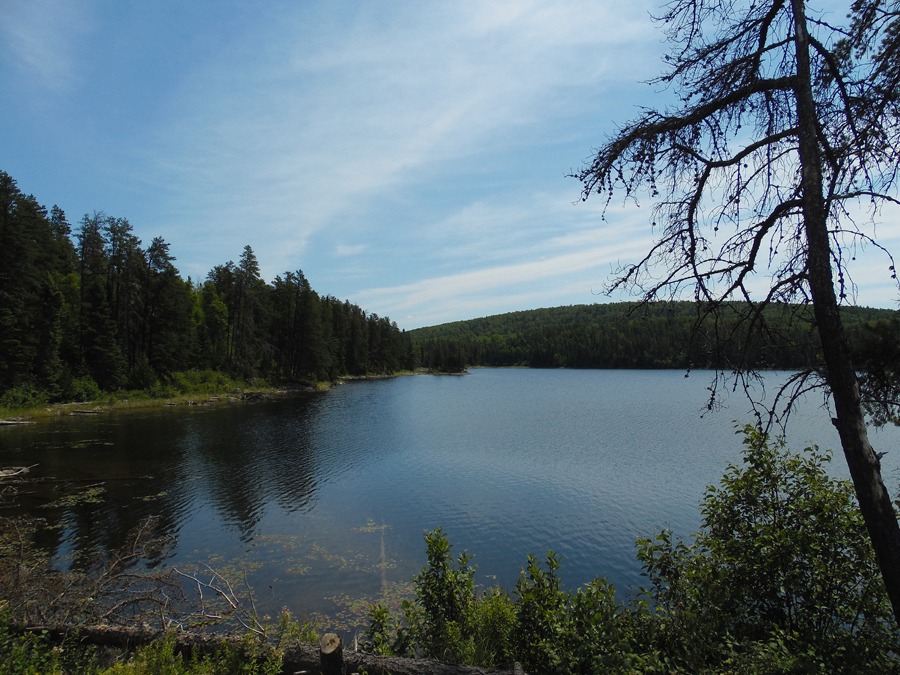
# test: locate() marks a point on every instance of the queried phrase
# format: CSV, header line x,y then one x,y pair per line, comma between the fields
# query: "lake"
x,y
323,498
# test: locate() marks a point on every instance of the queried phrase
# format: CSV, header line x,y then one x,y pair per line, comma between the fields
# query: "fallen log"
x,y
297,658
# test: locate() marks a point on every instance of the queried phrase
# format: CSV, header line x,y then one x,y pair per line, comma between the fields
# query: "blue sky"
x,y
408,156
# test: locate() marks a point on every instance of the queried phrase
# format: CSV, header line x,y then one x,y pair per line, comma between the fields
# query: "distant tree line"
x,y
94,309
659,335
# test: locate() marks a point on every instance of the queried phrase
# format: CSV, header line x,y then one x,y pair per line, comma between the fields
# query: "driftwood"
x,y
12,471
297,657
356,662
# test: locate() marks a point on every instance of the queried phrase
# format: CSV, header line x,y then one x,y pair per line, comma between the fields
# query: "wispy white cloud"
x,y
308,136
343,250
552,279
39,36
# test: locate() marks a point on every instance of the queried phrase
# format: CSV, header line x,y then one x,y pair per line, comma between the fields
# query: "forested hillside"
x,y
95,309
625,335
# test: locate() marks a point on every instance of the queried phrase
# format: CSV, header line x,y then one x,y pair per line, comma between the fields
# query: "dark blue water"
x,y
323,498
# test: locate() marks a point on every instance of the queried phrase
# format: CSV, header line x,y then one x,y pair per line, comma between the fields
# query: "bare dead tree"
x,y
115,588
217,602
768,174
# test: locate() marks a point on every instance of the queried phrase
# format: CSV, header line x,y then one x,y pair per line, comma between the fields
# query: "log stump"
x,y
331,655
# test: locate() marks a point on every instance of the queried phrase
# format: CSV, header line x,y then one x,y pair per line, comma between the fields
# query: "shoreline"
x,y
241,394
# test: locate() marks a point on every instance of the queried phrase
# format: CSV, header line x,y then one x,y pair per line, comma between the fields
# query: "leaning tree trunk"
x,y
865,467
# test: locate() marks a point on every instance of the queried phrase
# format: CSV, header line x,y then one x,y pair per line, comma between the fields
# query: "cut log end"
x,y
331,654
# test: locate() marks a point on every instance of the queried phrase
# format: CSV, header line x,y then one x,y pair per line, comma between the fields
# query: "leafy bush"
x,y
251,657
82,389
446,595
783,556
781,579
564,632
35,654
546,629
141,377
493,627
26,654
23,396
200,381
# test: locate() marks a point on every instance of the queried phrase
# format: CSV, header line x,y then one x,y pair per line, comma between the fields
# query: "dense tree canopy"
x,y
105,312
660,335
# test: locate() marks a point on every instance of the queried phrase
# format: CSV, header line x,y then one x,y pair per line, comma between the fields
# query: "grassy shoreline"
x,y
113,403
218,392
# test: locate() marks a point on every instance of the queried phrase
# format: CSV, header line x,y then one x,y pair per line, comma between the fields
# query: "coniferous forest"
x,y
660,335
90,308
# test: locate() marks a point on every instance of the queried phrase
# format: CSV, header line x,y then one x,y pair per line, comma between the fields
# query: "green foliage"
x,y
783,560
781,579
290,630
386,636
106,310
625,335
35,654
23,396
446,594
141,377
82,389
564,632
26,654
250,657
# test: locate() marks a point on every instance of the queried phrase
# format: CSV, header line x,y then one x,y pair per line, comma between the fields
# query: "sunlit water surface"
x,y
323,498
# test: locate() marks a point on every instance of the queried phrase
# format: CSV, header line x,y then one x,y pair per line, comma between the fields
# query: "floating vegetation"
x,y
271,559
371,527
353,613
88,443
233,570
89,495
341,562
287,542
150,498
297,569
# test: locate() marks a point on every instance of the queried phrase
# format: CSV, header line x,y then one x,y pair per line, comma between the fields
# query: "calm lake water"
x,y
323,498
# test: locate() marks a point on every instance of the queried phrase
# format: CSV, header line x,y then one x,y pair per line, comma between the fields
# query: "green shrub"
x,y
386,636
250,657
82,389
584,631
198,381
446,595
783,558
23,396
141,377
493,626
781,579
26,654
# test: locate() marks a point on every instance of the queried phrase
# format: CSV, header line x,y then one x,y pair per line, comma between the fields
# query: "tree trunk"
x,y
865,467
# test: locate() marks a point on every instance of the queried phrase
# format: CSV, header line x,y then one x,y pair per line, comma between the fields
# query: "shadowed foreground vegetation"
x,y
780,579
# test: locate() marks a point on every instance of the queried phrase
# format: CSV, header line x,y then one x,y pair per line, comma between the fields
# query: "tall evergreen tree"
x,y
33,255
101,357
168,337
126,279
